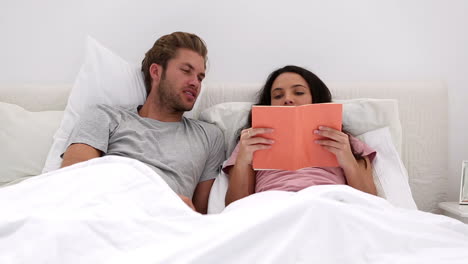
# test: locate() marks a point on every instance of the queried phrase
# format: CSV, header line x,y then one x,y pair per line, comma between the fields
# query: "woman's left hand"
x,y
338,144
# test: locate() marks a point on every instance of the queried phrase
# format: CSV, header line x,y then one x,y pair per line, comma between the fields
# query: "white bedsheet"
x,y
117,210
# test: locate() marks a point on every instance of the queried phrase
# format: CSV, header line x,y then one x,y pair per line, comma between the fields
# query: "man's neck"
x,y
156,110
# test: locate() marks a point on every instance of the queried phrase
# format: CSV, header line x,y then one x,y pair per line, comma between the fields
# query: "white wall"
x,y
43,41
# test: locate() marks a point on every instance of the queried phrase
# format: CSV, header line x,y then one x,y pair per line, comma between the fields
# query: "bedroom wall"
x,y
43,42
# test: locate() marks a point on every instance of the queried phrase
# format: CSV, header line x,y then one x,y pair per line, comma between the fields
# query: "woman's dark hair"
x,y
319,91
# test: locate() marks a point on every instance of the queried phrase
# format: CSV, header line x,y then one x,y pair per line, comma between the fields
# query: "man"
x,y
186,153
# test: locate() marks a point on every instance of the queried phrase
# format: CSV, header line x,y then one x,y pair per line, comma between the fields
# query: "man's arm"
x,y
78,153
187,201
201,195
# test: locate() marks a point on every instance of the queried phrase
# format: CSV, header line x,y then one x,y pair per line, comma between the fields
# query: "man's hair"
x,y
165,49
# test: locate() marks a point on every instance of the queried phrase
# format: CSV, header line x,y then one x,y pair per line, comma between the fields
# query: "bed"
x,y
105,210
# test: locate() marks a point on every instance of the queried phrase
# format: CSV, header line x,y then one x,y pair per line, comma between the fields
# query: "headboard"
x,y
422,106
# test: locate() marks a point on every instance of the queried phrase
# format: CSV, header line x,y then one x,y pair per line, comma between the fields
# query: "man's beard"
x,y
168,97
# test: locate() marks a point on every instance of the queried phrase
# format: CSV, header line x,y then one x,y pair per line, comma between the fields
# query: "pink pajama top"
x,y
267,180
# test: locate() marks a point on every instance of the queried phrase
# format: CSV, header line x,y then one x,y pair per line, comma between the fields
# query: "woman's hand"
x,y
250,142
338,144
358,173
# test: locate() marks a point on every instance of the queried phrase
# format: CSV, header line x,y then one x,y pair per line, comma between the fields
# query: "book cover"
x,y
294,136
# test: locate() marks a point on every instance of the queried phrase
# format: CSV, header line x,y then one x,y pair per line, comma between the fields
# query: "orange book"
x,y
294,136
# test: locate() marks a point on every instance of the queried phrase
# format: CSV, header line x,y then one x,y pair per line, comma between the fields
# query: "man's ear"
x,y
155,71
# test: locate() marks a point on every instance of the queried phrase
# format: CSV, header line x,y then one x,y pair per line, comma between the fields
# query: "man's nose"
x,y
194,82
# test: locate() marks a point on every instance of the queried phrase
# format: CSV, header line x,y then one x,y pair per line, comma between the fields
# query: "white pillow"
x,y
367,114
390,175
25,138
359,116
218,191
104,78
229,117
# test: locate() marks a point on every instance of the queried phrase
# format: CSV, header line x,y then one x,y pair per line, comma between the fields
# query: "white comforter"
x,y
117,210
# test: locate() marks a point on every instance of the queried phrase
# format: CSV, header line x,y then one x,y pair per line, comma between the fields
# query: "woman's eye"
x,y
299,93
277,96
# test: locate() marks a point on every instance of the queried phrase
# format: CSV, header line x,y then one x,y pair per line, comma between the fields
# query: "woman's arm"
x,y
358,173
360,176
241,183
242,175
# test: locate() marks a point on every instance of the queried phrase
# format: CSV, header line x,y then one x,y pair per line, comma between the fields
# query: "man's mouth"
x,y
191,94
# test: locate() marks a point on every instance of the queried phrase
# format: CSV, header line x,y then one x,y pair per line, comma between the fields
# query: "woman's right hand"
x,y
250,142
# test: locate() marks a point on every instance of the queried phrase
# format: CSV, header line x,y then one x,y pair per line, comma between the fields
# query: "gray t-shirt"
x,y
183,153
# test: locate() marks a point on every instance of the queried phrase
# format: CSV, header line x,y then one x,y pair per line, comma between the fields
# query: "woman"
x,y
293,86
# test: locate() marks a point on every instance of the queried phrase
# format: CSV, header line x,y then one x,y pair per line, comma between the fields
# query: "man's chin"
x,y
184,108
189,106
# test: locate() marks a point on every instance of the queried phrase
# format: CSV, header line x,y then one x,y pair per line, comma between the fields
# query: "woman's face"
x,y
290,89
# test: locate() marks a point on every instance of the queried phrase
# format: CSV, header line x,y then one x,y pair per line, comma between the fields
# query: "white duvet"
x,y
117,210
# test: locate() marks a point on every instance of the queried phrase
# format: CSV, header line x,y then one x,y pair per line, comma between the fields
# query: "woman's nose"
x,y
288,100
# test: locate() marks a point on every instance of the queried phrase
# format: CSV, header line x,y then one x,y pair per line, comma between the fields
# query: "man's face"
x,y
181,81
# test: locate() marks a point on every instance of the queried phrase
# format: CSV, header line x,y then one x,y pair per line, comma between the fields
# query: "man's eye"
x,y
185,70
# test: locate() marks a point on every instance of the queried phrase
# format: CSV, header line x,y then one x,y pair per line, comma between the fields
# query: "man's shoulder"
x,y
211,128
116,107
112,109
108,112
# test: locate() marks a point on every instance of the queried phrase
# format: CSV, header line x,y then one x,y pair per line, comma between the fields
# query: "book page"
x,y
308,153
281,119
